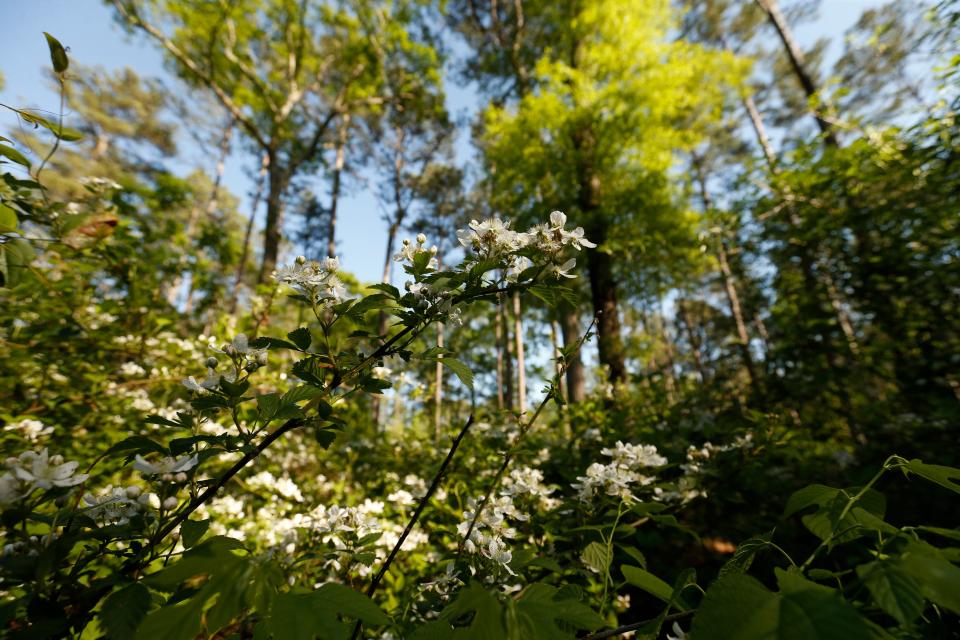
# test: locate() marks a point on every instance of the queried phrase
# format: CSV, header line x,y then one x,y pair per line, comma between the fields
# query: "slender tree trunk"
x,y
570,330
248,234
729,285
438,389
735,310
797,61
272,230
693,339
507,349
498,338
760,131
521,367
338,164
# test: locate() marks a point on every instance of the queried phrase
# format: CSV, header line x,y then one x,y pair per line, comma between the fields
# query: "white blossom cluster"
x,y
618,477
166,468
284,487
32,470
318,281
494,238
31,430
409,252
116,505
492,528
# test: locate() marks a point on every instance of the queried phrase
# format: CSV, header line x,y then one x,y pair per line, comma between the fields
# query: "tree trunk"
x,y
245,253
498,338
735,310
570,330
693,339
438,389
521,368
797,61
272,230
338,164
507,350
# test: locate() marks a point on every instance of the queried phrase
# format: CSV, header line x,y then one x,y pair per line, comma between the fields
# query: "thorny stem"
x,y
416,515
524,427
633,626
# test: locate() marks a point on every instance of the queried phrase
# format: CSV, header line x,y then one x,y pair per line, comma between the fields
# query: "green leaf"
x,y
137,444
481,613
461,370
301,337
944,476
58,55
893,590
123,611
191,531
178,622
305,616
264,342
651,584
14,155
8,219
540,614
301,392
815,494
597,557
738,607
938,578
745,553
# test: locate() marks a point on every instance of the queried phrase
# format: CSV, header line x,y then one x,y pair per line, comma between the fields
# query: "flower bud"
x,y
133,491
167,477
180,477
151,500
421,238
170,503
406,241
301,260
56,460
212,363
230,350
433,250
262,358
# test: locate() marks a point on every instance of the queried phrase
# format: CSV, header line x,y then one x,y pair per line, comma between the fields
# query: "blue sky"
x,y
86,27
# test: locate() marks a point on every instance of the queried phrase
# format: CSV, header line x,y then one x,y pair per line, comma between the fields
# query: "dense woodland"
x,y
671,351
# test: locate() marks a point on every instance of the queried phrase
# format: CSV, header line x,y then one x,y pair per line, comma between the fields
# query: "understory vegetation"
x,y
673,352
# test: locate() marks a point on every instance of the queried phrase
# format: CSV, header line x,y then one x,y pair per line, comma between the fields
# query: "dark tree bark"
x,y
570,330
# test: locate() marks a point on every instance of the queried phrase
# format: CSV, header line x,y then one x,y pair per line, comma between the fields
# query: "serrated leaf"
x,y
301,338
597,557
946,477
124,610
893,590
746,551
738,607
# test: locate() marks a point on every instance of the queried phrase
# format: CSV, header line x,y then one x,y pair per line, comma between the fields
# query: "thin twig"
x,y
633,626
416,515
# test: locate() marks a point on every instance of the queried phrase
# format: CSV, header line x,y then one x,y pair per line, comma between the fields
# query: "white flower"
x,y
563,270
131,369
46,472
164,465
114,505
32,429
497,551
